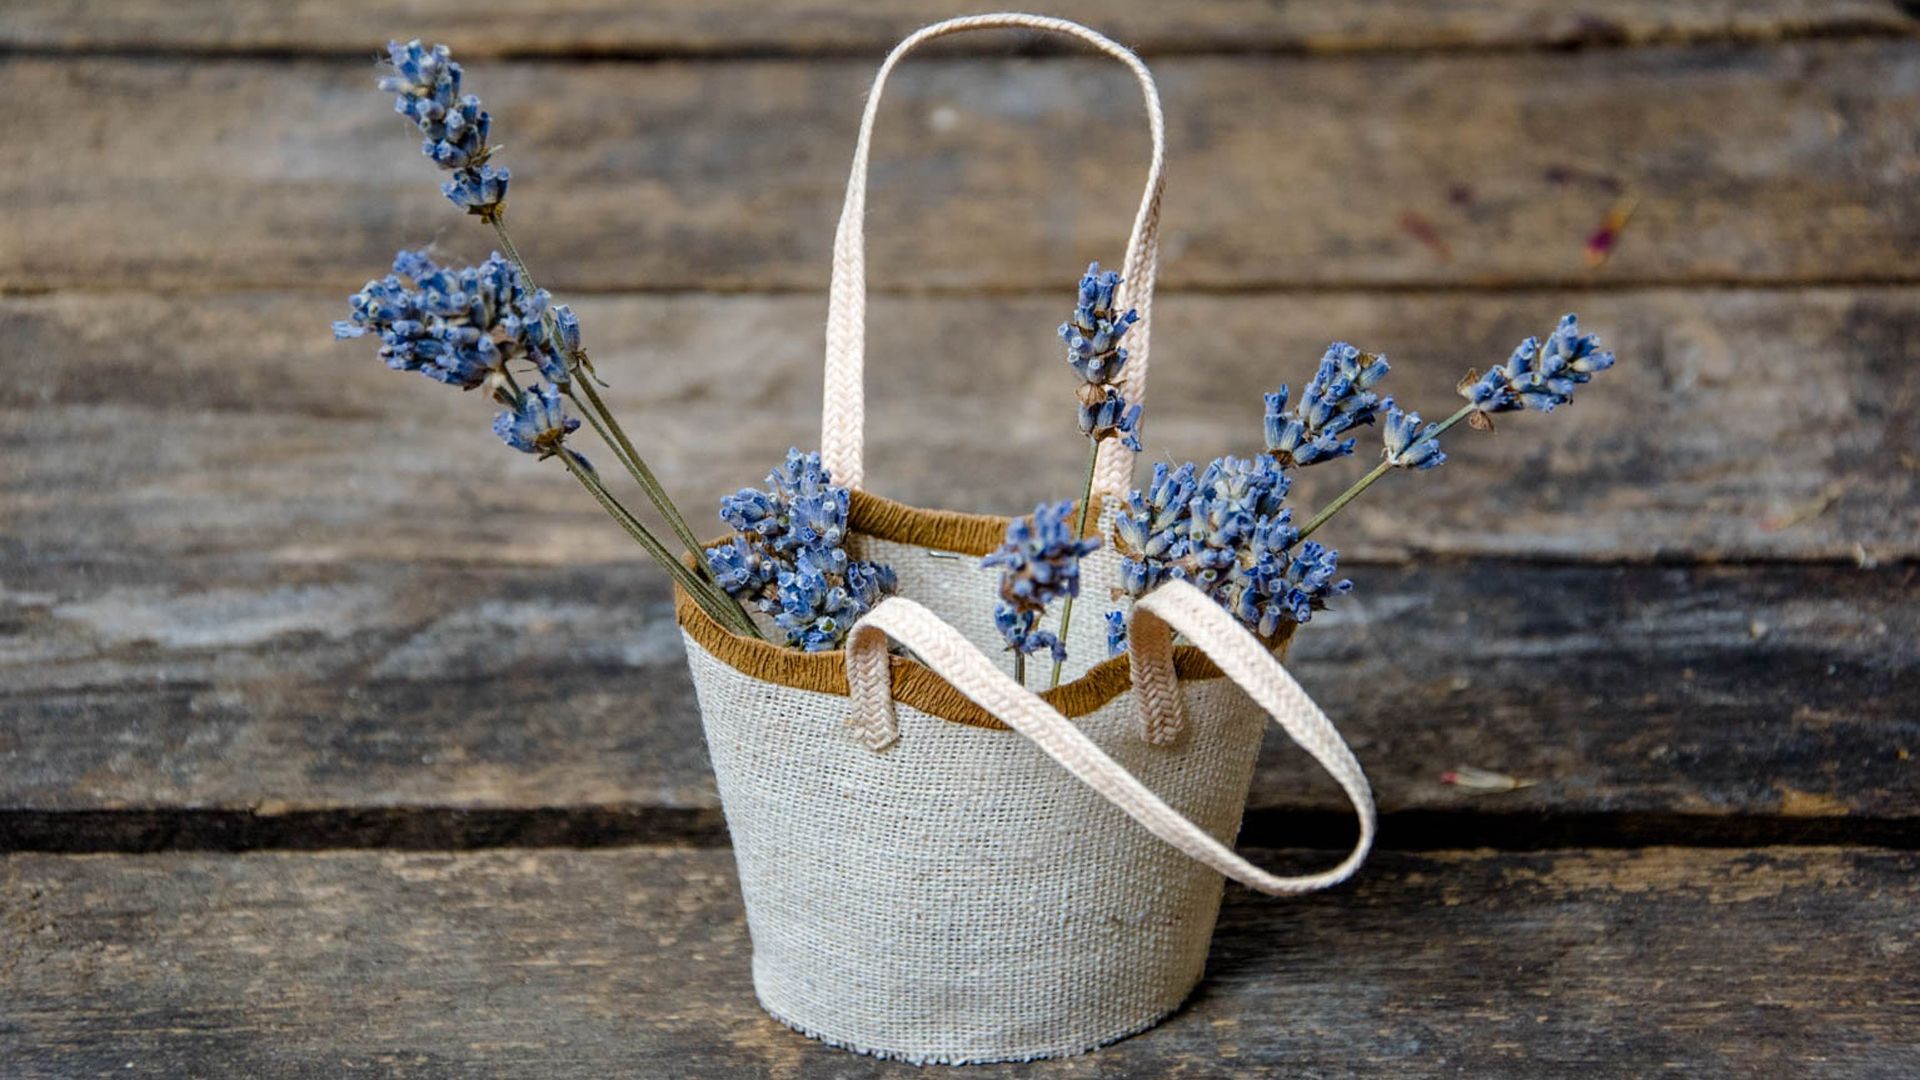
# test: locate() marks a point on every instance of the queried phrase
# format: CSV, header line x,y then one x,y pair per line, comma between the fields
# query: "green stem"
x,y
498,219
1086,507
608,428
619,443
711,589
1375,474
1020,669
701,590
643,475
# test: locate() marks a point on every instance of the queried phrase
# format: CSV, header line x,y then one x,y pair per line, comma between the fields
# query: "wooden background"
x,y
337,740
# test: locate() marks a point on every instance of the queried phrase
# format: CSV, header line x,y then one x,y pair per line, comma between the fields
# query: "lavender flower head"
x,y
426,85
1339,397
802,508
824,594
1406,446
457,327
537,424
1093,333
1227,532
789,560
1111,418
1539,376
1039,563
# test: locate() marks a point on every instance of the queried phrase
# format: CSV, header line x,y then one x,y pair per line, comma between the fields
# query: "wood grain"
x,y
1739,424
811,27
1757,165
209,702
635,962
251,575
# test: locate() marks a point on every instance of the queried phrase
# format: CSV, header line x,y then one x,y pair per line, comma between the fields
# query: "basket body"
x,y
988,874
959,897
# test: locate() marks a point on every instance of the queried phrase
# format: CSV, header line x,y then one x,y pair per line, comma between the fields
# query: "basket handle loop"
x,y
952,656
843,414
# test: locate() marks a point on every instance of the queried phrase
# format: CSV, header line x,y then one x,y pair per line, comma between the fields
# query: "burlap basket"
x,y
937,863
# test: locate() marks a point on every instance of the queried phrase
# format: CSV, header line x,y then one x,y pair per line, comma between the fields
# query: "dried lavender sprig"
x,y
426,84
1093,334
1539,376
467,328
1039,563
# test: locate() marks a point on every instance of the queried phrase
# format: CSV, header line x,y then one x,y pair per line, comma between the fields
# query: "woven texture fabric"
x,y
958,897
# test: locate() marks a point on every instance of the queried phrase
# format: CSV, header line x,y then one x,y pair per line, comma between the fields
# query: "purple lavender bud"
x,y
1094,331
1406,445
1112,418
789,559
1116,632
1039,563
1336,399
1539,375
454,128
538,424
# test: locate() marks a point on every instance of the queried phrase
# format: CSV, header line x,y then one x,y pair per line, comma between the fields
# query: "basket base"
x,y
993,1058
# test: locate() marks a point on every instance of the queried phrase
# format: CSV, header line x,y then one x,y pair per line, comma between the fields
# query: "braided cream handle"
x,y
843,415
943,649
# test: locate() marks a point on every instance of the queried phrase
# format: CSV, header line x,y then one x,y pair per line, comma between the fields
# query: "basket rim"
x,y
914,684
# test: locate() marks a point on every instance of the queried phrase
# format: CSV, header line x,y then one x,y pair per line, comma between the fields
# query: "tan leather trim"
x,y
913,683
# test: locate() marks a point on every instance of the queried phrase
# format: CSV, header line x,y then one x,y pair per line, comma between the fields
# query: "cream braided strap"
x,y
943,649
843,415
1177,605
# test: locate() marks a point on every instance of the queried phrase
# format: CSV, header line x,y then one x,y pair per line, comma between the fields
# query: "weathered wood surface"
x,y
1782,962
314,588
1782,164
813,27
207,703
256,592
1739,424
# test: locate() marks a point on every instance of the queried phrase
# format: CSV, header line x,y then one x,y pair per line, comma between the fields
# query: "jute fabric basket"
x,y
939,865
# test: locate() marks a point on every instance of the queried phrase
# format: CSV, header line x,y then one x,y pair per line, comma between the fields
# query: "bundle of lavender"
x,y
489,327
1225,528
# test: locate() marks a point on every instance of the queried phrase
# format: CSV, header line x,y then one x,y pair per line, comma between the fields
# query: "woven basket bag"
x,y
939,865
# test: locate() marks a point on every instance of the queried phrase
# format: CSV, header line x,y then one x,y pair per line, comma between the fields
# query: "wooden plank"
x,y
1776,164
306,584
245,430
810,27
209,702
635,962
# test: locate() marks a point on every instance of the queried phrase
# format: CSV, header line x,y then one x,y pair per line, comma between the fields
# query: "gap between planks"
x,y
429,828
1287,35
